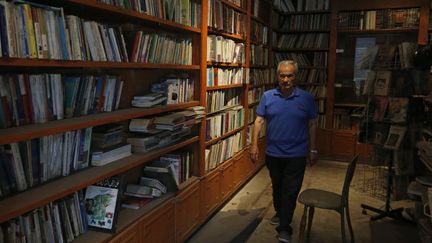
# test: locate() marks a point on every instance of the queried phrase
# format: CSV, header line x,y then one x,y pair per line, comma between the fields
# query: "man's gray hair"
x,y
286,63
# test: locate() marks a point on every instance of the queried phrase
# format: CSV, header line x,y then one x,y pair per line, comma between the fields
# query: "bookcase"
x,y
301,32
138,47
351,22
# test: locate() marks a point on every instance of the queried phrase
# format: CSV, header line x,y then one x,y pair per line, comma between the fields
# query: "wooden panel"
x,y
187,205
344,144
227,179
159,226
131,235
374,4
209,193
365,151
324,141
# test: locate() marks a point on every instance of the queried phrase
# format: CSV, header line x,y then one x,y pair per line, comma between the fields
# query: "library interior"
x,y
149,120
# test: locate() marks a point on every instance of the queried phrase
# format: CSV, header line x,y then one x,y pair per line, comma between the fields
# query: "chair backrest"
x,y
348,178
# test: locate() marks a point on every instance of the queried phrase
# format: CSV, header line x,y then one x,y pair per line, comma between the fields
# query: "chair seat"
x,y
320,199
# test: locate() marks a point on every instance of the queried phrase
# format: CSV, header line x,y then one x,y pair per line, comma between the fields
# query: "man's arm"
x,y
259,121
312,141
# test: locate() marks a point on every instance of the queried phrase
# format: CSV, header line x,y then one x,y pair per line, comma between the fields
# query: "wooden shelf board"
x,y
224,64
225,135
299,49
258,66
297,31
349,105
15,134
378,31
236,37
230,86
36,197
45,63
234,6
304,12
253,103
259,20
126,217
134,14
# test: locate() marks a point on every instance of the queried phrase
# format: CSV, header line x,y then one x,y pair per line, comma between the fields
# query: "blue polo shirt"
x,y
287,122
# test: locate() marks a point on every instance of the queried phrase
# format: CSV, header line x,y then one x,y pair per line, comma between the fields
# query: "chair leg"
x,y
303,225
349,224
343,225
310,218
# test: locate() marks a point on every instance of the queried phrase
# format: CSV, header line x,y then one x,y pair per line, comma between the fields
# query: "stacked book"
x,y
109,144
148,100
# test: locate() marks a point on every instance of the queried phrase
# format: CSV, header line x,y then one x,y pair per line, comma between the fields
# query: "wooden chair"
x,y
316,198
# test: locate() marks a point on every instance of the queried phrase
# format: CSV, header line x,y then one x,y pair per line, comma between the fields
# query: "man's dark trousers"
x,y
287,178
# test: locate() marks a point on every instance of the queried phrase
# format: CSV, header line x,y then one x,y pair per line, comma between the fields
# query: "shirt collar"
x,y
295,93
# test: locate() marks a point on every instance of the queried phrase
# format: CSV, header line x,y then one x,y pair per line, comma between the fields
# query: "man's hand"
x,y
254,152
313,158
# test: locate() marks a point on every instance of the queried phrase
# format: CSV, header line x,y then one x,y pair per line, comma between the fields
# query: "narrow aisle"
x,y
240,215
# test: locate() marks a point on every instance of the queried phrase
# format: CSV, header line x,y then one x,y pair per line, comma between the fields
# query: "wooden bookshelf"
x,y
143,224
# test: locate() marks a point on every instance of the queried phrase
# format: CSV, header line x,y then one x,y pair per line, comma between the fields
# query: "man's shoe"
x,y
284,236
275,220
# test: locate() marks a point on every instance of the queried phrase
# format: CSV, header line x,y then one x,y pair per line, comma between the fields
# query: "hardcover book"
x,y
102,204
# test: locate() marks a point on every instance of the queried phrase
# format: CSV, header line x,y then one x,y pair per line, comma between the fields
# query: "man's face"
x,y
287,77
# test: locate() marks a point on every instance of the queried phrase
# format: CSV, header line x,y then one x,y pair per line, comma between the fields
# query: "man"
x,y
290,117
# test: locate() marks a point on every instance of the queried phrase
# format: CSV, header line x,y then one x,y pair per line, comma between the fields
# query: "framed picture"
x,y
395,137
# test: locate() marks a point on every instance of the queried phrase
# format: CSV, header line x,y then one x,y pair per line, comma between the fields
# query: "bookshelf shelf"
x,y
235,37
221,110
258,44
124,14
15,134
215,140
41,63
225,87
253,103
234,6
310,84
300,49
222,64
125,218
281,31
353,105
259,20
380,31
35,197
258,66
311,67
303,12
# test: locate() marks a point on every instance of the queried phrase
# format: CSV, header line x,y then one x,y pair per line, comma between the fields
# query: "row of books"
x,y
161,48
59,221
29,163
258,32
321,120
379,19
222,151
316,59
261,133
173,90
389,56
222,123
258,55
259,76
318,91
38,98
302,22
321,106
220,49
220,99
301,5
225,18
252,114
225,76
341,119
260,9
180,11
39,31
312,76
310,40
255,94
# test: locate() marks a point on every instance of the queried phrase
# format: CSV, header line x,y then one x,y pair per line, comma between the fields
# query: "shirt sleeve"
x,y
260,111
